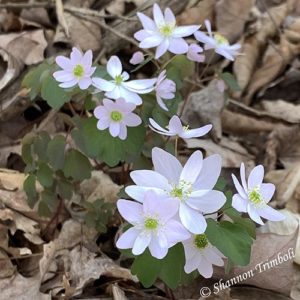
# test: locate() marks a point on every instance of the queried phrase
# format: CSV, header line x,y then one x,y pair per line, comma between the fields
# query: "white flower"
x,y
76,70
254,196
175,128
120,87
137,58
201,255
163,32
217,42
153,225
165,89
116,115
193,53
191,186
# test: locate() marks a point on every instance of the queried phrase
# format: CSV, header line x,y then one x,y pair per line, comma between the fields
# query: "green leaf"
x,y
65,189
147,268
221,184
30,190
248,224
100,145
231,239
230,81
77,166
27,153
43,209
45,175
50,199
56,152
53,94
32,79
182,64
40,145
172,270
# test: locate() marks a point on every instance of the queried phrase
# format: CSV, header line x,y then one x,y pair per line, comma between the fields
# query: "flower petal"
x,y
146,22
141,243
100,112
157,127
87,59
270,214
114,129
267,191
63,76
103,84
114,66
211,202
175,125
139,84
130,96
138,192
169,16
254,215
192,168
183,31
209,174
64,62
142,34
158,15
156,250
238,187
176,232
162,48
166,164
103,123
205,268
151,41
131,211
127,239
212,257
132,120
194,133
123,132
239,203
178,46
68,84
84,83
114,94
160,205
161,103
191,219
149,178
243,177
203,38
256,177
76,56
192,263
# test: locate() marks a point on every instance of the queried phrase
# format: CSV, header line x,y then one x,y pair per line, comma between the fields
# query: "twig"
x,y
94,13
26,5
22,256
61,17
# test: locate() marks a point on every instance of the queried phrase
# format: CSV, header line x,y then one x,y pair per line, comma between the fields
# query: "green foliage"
x,y
30,190
102,146
56,152
77,166
169,269
230,81
231,239
98,214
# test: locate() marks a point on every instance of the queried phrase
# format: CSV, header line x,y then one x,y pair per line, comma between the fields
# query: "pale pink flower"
x,y
163,32
254,196
193,53
117,116
165,89
153,225
191,186
76,70
217,42
137,58
175,128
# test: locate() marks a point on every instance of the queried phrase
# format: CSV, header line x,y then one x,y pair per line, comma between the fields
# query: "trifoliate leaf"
x,y
30,190
56,152
45,175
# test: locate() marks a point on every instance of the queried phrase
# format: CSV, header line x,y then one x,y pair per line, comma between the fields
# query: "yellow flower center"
x,y
255,197
118,79
78,71
186,128
220,39
200,241
166,30
151,224
116,116
182,190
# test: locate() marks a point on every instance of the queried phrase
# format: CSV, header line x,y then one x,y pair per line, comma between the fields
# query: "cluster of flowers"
x,y
172,201
162,33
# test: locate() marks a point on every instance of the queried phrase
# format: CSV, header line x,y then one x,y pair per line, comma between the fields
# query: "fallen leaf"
x,y
231,17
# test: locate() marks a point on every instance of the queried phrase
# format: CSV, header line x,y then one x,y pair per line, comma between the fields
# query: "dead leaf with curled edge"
x,y
254,45
231,17
275,60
